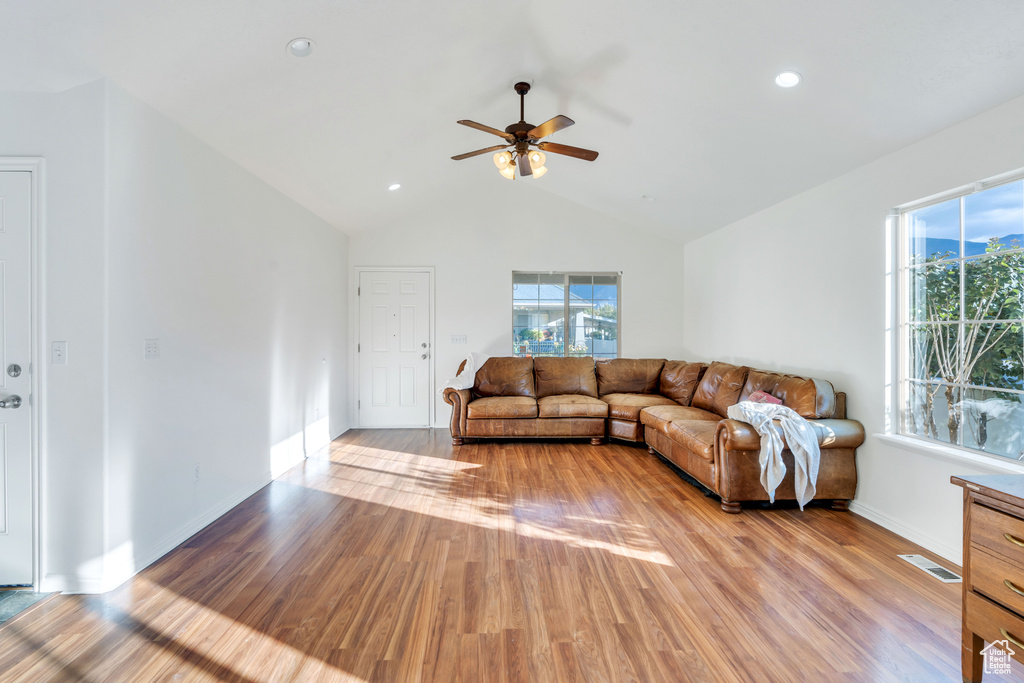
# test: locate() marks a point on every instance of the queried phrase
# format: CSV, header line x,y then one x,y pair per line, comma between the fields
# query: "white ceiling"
x,y
677,96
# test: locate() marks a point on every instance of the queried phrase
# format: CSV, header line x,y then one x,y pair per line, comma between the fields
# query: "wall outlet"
x,y
458,339
195,471
151,349
59,353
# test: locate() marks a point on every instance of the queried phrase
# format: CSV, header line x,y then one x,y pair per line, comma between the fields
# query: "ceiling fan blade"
x,y
485,150
579,153
550,126
487,129
524,165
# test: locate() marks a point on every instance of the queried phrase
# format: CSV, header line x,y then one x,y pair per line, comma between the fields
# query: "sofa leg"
x,y
732,507
596,441
841,505
457,441
650,449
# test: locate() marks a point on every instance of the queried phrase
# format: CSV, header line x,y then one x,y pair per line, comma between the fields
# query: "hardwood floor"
x,y
399,558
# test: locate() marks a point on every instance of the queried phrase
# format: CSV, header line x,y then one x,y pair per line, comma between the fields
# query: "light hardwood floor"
x,y
399,558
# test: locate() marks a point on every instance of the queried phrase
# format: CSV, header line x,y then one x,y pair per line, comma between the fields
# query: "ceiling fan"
x,y
520,137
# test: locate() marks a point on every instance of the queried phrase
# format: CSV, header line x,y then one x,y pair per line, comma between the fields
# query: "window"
x,y
962,335
565,314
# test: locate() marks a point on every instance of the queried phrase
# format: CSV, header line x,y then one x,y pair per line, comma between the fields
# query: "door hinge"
x,y
359,348
359,291
359,405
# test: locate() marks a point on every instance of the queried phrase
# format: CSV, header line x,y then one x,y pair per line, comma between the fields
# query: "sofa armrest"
x,y
740,436
458,399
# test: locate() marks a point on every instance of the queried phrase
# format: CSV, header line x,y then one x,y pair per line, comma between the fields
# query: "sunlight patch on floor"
x,y
451,490
213,645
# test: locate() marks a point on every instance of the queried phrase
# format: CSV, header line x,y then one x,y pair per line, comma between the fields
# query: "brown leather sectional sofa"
x,y
678,408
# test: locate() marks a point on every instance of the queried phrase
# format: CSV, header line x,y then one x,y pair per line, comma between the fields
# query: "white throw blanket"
x,y
465,379
800,437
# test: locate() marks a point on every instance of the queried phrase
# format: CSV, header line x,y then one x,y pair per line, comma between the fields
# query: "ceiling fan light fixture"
x,y
508,171
502,159
537,160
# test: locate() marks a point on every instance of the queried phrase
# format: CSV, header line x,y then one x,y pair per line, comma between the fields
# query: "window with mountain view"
x,y
565,314
963,375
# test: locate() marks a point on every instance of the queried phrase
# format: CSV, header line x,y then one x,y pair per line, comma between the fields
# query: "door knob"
x,y
11,402
14,370
424,356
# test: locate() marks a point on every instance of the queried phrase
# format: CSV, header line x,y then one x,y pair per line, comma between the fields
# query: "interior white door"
x,y
394,349
15,348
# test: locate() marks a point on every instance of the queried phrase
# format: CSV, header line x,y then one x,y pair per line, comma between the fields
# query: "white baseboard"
x,y
119,569
941,548
63,583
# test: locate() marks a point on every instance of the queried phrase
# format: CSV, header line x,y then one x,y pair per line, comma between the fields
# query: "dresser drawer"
x,y
989,574
994,531
992,622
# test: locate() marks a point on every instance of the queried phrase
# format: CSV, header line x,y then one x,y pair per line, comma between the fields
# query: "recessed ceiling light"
x,y
647,197
394,186
788,79
300,47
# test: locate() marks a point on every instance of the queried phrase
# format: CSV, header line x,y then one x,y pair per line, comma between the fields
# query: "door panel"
x,y
15,349
394,349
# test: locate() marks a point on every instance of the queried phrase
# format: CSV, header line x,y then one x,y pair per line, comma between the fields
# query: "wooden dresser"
x,y
993,607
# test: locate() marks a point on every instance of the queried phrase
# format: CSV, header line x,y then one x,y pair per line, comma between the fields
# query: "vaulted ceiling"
x,y
676,95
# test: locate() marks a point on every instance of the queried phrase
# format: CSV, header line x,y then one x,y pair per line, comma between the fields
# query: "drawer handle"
x,y
1011,638
1009,584
1014,539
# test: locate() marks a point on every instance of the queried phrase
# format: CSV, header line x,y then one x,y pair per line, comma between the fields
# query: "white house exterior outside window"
x,y
565,314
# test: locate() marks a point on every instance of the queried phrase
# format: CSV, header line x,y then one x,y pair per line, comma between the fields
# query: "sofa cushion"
x,y
720,387
759,380
659,417
679,380
502,406
810,398
571,405
628,375
505,377
628,406
557,376
696,436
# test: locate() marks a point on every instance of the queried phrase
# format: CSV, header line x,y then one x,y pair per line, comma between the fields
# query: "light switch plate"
x,y
152,349
59,353
458,339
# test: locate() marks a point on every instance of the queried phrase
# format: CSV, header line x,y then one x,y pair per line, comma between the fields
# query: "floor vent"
x,y
940,573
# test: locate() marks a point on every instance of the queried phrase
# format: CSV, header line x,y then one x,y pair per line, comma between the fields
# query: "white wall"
x,y
149,233
247,293
475,242
801,287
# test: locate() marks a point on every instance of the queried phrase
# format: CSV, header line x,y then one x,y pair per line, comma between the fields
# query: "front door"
x,y
15,347
394,349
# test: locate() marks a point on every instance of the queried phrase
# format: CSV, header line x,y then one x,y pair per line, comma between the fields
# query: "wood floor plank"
x,y
396,557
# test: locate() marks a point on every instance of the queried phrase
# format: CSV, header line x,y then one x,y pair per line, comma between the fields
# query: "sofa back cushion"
x,y
505,377
720,387
628,375
760,380
565,376
679,380
810,398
